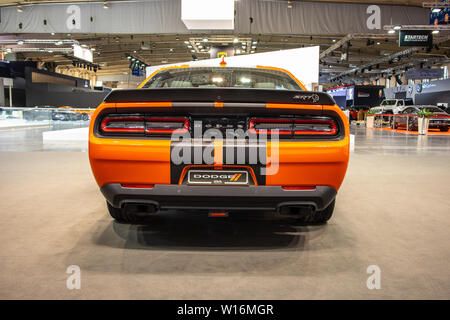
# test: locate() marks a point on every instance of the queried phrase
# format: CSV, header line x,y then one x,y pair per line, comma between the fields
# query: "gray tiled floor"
x,y
391,211
30,139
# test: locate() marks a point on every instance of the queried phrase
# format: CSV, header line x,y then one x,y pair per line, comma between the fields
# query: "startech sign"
x,y
416,38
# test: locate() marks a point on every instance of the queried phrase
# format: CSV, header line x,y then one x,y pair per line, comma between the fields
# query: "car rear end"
x,y
169,148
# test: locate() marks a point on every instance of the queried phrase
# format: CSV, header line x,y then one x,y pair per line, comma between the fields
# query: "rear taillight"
x,y
166,125
268,126
125,123
297,127
327,127
140,124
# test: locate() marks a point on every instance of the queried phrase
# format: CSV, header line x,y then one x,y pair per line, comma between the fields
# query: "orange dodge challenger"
x,y
219,140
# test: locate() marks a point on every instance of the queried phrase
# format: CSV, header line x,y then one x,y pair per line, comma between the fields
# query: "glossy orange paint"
x,y
134,161
310,163
128,161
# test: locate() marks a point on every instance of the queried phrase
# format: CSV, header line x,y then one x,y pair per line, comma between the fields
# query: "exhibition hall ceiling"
x,y
112,51
394,2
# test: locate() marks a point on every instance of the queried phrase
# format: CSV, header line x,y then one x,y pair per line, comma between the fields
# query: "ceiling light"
x,y
105,5
58,43
186,42
397,27
200,47
435,31
253,47
245,80
189,46
436,10
217,79
92,49
236,40
20,42
391,31
134,51
254,42
334,40
19,8
378,43
253,51
205,40
84,46
192,50
52,33
50,51
197,43
289,4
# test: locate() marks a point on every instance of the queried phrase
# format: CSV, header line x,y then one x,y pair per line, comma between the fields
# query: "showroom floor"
x,y
392,211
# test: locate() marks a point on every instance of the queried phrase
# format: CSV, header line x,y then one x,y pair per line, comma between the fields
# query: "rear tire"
x,y
120,215
319,217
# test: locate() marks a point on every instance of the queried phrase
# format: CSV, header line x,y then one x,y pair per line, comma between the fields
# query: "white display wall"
x,y
303,63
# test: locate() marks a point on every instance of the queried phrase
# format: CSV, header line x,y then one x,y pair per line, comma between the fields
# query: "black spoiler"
x,y
219,95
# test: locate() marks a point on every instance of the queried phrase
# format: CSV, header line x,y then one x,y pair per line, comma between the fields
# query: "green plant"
x,y
371,111
424,113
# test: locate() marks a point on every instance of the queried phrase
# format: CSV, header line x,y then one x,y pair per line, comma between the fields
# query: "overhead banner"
x,y
415,38
416,74
250,17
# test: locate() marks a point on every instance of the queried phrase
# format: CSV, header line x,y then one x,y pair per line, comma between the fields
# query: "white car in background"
x,y
392,106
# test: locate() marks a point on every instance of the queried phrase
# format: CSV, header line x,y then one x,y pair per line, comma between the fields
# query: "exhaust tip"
x,y
140,209
297,211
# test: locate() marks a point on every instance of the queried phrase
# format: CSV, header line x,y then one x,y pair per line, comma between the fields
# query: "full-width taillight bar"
x,y
140,124
123,123
293,126
322,127
166,125
268,126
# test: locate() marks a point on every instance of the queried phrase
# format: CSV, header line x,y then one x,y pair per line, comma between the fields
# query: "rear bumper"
x,y
219,197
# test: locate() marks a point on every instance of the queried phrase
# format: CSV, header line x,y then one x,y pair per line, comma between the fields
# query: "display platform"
x,y
20,123
77,134
431,132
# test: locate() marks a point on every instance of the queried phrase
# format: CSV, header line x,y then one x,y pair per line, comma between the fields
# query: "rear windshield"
x,y
220,77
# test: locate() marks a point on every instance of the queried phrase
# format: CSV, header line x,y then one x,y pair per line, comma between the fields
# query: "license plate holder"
x,y
218,177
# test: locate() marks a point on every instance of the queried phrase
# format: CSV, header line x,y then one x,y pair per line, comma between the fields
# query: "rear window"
x,y
220,77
